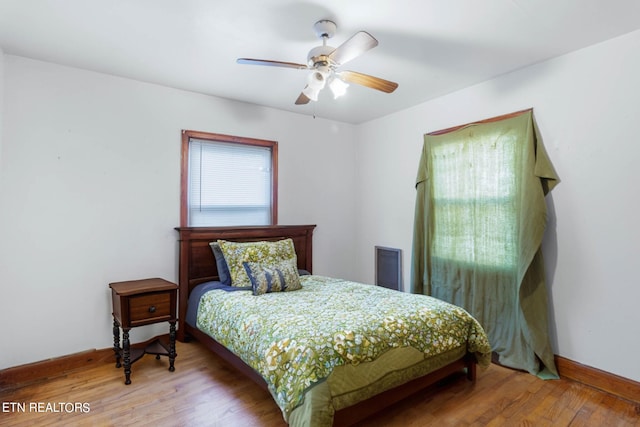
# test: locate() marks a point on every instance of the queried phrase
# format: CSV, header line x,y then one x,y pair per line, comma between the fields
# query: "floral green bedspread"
x,y
295,339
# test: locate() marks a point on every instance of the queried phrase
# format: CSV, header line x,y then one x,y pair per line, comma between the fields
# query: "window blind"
x,y
229,184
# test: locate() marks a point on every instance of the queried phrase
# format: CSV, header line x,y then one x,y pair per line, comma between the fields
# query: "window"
x,y
479,222
228,180
474,190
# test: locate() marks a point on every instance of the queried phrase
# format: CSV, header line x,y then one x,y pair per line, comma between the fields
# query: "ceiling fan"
x,y
324,61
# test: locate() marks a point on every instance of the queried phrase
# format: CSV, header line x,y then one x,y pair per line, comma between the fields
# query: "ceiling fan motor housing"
x,y
319,56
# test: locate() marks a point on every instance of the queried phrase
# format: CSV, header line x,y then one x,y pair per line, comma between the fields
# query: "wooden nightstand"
x,y
143,302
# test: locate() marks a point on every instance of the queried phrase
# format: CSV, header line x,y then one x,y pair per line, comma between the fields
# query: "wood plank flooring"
x,y
205,391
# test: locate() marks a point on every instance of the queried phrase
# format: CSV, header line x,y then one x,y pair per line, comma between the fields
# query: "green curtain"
x,y
479,221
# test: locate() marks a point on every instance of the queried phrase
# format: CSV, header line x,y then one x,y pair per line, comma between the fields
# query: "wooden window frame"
x,y
216,137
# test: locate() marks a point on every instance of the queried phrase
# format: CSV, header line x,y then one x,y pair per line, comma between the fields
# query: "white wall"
x,y
586,105
89,175
1,101
89,194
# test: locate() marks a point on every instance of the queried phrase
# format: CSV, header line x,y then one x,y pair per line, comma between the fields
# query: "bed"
x,y
320,376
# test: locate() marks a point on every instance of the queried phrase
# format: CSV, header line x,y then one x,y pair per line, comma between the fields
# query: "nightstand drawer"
x,y
149,308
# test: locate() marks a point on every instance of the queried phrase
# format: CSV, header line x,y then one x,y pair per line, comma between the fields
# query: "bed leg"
x,y
471,367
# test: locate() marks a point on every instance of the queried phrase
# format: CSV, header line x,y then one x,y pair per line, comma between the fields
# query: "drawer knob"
x,y
152,309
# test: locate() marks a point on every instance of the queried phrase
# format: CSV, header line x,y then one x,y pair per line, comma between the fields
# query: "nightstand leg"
x,y
172,345
116,342
126,354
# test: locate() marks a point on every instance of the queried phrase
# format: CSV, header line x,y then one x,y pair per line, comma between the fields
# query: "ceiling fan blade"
x,y
269,63
368,81
302,99
358,44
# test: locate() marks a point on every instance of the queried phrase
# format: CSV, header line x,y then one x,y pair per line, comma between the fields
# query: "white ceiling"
x,y
430,47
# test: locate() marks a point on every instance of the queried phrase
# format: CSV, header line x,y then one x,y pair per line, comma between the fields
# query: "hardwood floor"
x,y
205,391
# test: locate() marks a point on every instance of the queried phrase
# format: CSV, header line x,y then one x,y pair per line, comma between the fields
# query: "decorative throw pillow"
x,y
263,252
223,269
281,277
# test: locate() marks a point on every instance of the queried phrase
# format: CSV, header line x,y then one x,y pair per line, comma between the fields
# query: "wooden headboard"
x,y
197,263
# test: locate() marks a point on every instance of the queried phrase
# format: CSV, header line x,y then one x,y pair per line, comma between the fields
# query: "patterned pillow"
x,y
267,253
223,270
281,277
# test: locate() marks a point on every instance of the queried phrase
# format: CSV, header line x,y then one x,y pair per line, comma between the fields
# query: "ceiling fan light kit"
x,y
323,61
337,86
315,83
